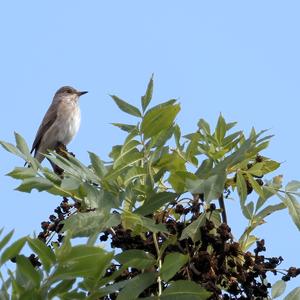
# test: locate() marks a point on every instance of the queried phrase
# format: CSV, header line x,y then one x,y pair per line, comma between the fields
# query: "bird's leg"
x,y
61,149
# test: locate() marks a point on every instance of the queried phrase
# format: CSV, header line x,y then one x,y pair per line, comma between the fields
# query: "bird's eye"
x,y
69,91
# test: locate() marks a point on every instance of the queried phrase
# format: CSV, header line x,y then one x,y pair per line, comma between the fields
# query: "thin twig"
x,y
159,263
222,206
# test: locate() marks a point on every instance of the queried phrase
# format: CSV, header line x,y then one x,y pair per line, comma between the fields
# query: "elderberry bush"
x,y
153,217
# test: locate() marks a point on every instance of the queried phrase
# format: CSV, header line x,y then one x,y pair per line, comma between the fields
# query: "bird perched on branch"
x,y
60,123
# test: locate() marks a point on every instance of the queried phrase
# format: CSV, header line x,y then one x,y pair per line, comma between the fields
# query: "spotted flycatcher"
x,y
60,124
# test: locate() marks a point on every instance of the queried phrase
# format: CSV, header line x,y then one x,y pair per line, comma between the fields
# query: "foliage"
x,y
155,204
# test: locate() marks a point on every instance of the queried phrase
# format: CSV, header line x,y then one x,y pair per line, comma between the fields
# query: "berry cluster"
x,y
216,261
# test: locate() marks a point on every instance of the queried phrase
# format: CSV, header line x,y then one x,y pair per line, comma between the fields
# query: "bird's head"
x,y
69,92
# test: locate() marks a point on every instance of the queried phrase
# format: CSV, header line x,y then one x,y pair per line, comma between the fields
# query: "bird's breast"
x,y
69,124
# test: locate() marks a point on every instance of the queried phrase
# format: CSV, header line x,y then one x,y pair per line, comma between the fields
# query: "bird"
x,y
60,123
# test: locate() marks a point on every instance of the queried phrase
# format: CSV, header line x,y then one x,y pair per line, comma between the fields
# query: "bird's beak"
x,y
82,93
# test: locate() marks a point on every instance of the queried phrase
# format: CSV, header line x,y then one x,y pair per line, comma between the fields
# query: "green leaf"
x,y
158,119
39,183
136,259
245,245
136,286
205,168
87,223
258,189
220,130
139,224
202,124
270,209
193,230
293,206
62,288
21,144
44,253
278,288
148,96
133,173
126,107
248,210
27,270
97,165
128,157
82,261
293,186
13,250
22,173
212,187
163,104
12,149
185,290
270,166
173,262
293,295
155,202
242,188
124,127
109,289
70,183
6,239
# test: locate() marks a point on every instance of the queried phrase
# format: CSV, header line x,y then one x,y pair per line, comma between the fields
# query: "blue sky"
x,y
240,58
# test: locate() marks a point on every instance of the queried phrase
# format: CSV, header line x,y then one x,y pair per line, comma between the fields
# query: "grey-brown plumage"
x,y
60,123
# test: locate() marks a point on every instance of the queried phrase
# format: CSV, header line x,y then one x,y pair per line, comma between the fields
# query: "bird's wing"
x,y
47,122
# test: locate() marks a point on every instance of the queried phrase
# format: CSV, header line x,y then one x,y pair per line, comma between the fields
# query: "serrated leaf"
x,y
185,290
158,119
278,288
88,223
155,202
22,173
39,183
126,107
136,286
173,262
148,95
